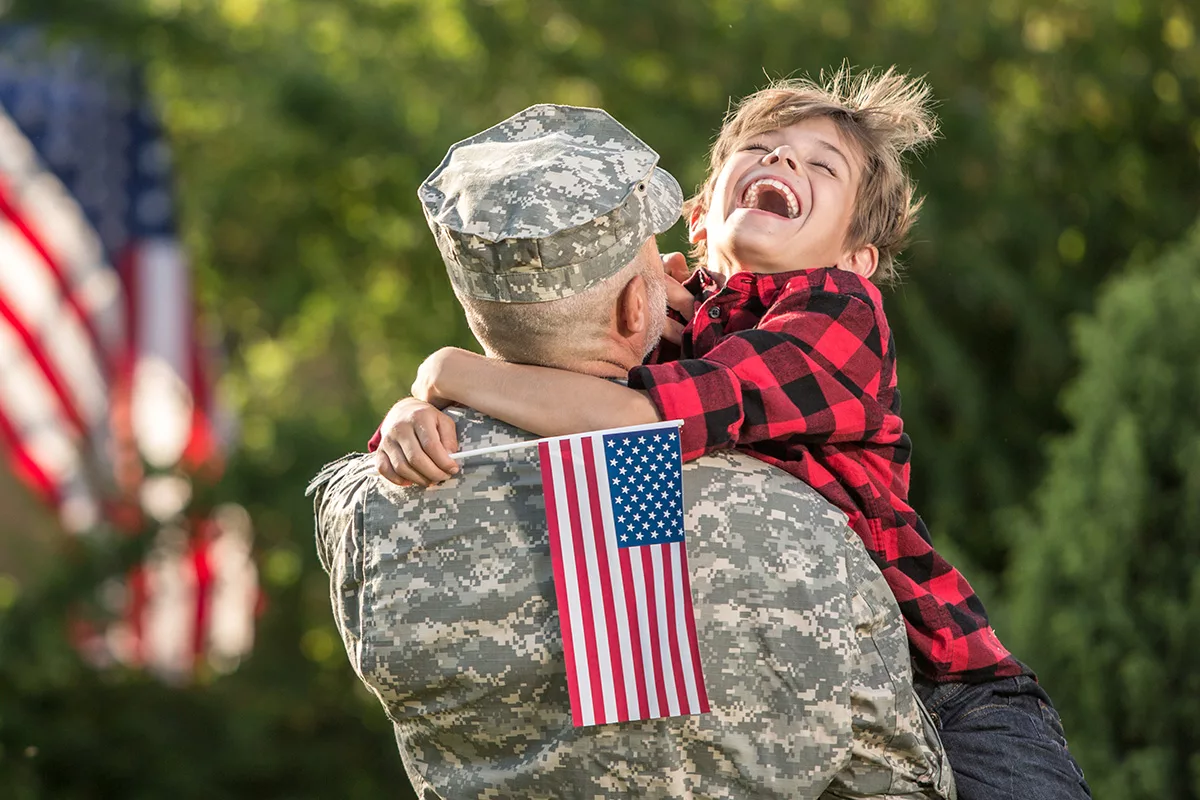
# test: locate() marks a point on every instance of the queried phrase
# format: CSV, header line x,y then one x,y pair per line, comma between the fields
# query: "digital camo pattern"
x,y
445,602
546,204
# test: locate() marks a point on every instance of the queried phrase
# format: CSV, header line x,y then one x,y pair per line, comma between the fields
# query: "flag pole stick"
x,y
504,448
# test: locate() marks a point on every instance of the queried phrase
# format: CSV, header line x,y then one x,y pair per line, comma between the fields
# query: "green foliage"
x,y
301,129
1106,584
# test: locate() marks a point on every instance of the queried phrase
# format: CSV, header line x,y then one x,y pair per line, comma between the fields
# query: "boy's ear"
x,y
697,231
863,261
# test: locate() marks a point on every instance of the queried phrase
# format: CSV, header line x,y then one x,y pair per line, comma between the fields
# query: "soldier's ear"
x,y
632,308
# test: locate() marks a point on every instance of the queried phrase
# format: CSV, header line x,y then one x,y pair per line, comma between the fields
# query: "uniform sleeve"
x,y
339,495
811,368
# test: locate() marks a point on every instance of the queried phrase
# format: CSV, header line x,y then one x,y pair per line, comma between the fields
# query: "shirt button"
x,y
714,312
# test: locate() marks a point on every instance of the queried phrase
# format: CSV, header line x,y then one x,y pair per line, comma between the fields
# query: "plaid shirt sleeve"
x,y
810,368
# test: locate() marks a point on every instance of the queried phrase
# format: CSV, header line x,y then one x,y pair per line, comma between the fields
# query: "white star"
x,y
637,468
639,536
641,440
624,537
621,519
662,523
658,437
621,470
653,534
637,517
658,505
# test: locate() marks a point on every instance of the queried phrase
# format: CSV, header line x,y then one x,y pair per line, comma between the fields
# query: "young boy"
x,y
788,356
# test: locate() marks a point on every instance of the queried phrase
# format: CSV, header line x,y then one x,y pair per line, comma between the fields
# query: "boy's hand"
x,y
416,445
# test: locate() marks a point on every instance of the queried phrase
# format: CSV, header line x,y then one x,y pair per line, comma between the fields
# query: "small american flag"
x,y
614,504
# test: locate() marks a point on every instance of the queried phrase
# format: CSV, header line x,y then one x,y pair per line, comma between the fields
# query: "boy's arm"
x,y
542,400
811,368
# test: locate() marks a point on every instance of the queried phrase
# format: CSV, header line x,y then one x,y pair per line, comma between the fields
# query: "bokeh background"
x,y
1048,330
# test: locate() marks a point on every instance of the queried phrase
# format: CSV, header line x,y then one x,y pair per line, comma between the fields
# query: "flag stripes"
x,y
628,638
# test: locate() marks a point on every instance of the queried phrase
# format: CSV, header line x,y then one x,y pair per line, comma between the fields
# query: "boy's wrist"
x,y
439,376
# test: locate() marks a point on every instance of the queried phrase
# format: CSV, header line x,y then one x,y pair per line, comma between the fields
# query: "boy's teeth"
x,y
751,196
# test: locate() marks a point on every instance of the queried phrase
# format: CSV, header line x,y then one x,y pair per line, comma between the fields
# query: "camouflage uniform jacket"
x,y
445,602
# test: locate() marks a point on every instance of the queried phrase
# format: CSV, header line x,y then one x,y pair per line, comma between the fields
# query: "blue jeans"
x,y
1004,740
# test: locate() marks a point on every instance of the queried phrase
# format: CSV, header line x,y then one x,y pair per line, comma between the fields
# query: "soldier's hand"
x,y
676,266
679,299
416,445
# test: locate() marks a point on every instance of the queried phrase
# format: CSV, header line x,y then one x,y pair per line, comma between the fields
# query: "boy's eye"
x,y
823,165
756,146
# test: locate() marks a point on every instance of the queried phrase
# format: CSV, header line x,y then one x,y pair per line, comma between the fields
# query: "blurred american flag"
x,y
105,392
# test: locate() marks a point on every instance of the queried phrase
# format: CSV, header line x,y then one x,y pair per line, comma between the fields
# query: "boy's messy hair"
x,y
884,114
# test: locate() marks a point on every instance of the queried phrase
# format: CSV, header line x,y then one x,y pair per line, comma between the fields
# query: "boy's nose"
x,y
782,153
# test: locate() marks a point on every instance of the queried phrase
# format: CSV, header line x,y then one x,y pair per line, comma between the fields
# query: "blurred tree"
x,y
1106,581
302,128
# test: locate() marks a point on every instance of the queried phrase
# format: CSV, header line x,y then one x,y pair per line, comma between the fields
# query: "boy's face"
x,y
783,201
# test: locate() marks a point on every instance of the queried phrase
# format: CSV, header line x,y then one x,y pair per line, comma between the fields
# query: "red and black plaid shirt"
x,y
799,370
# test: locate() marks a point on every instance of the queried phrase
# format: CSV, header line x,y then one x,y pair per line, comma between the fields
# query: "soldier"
x,y
444,596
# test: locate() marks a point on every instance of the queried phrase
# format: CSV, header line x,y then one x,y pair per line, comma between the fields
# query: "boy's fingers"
x,y
384,464
673,331
448,433
680,299
400,463
417,446
433,447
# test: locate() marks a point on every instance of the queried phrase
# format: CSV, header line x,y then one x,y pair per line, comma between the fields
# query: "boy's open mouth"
x,y
772,196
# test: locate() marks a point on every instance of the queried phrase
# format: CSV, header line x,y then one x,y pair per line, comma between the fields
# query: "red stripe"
x,y
672,628
581,576
655,645
203,448
635,633
560,578
25,466
34,347
693,640
202,571
139,592
9,209
606,581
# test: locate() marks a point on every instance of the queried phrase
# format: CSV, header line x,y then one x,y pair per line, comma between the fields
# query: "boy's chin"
x,y
756,251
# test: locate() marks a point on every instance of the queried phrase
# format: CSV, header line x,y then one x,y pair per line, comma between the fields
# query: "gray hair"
x,y
557,333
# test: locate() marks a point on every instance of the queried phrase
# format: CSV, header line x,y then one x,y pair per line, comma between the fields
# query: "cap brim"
x,y
665,200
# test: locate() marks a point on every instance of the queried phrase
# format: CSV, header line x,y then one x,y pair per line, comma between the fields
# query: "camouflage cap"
x,y
546,204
